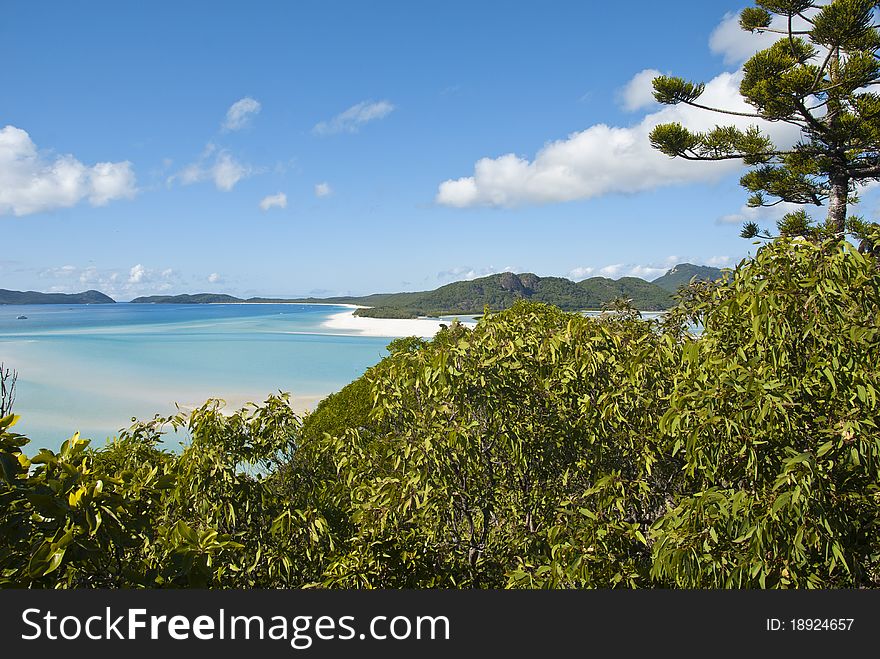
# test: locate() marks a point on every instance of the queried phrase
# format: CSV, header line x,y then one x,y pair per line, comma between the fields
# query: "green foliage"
x,y
132,515
385,312
406,344
480,437
671,90
67,522
868,234
347,408
673,139
753,19
541,449
795,224
776,414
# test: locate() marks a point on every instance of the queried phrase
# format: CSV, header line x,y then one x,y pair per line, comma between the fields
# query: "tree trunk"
x,y
837,203
839,179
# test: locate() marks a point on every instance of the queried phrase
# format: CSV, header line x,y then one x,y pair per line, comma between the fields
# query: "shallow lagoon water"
x,y
91,368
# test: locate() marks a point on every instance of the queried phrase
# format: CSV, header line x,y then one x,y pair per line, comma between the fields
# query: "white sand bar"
x,y
346,322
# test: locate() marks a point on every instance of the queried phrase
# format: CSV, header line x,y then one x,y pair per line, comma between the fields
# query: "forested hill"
x,y
497,291
500,291
33,297
683,273
198,298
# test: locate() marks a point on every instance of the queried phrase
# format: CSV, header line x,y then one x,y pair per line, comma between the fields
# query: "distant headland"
x,y
497,291
33,297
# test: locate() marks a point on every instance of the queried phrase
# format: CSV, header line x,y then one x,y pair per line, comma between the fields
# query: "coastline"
x,y
391,328
256,304
143,372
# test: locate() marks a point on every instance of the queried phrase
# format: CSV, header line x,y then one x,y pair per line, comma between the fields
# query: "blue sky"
x,y
296,148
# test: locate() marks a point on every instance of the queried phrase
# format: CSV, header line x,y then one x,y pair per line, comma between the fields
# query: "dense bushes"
x,y
541,449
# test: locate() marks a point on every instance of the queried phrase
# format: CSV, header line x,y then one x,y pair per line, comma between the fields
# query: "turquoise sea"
x,y
91,368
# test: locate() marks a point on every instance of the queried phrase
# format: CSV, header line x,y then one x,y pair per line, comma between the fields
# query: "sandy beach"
x,y
346,322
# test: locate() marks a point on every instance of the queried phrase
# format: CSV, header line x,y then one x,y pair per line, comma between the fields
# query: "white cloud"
x,y
32,183
766,215
215,277
577,274
638,93
227,171
467,273
217,165
63,271
607,159
719,261
136,274
120,285
648,271
240,113
109,181
323,190
354,117
611,271
89,276
274,201
191,174
736,45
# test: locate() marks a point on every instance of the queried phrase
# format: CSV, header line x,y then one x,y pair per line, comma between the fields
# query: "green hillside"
x,y
33,297
645,295
683,273
198,298
502,290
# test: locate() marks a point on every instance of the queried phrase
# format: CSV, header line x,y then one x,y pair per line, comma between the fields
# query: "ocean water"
x,y
91,368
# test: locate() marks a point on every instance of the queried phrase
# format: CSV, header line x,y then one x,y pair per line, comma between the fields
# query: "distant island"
x,y
497,291
33,297
198,298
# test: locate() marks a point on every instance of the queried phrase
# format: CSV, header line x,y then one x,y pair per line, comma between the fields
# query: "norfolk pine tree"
x,y
817,77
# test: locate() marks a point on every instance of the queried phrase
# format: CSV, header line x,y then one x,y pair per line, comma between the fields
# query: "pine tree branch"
x,y
719,110
814,123
864,171
732,156
808,20
843,84
751,115
821,72
775,31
